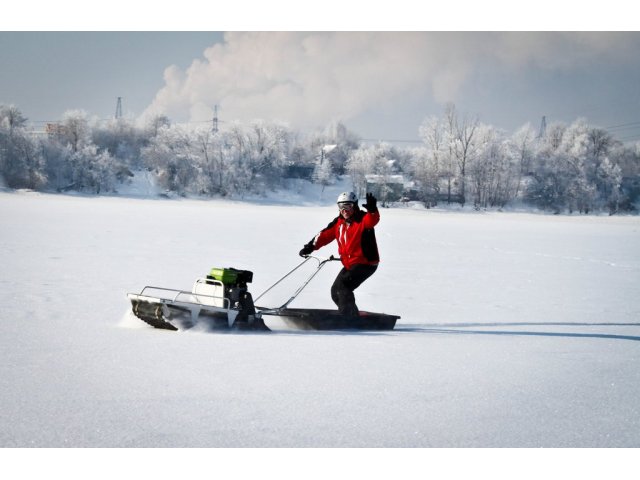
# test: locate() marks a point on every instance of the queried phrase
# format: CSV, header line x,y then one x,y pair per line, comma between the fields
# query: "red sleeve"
x,y
370,220
326,236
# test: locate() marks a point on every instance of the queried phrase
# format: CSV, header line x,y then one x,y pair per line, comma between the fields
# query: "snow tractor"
x,y
221,301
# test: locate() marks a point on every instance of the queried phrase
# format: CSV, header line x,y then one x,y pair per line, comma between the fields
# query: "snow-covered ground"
x,y
517,329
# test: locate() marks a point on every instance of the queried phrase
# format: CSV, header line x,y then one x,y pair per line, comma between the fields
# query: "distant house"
x,y
54,130
299,171
387,188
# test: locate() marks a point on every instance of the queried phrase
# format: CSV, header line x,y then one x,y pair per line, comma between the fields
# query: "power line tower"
x,y
543,127
119,108
214,127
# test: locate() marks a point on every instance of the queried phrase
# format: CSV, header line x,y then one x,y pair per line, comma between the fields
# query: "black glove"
x,y
372,203
306,250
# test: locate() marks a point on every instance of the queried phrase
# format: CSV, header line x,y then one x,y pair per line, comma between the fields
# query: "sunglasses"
x,y
345,206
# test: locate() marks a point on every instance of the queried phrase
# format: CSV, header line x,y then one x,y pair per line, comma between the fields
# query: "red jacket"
x,y
356,238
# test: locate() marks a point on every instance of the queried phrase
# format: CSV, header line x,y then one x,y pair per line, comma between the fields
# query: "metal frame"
x,y
191,303
321,263
178,293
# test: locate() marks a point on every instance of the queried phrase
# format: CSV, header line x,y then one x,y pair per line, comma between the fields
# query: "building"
x,y
387,188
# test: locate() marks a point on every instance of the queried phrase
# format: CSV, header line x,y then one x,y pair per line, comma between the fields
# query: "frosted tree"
x,y
427,168
627,158
484,167
121,139
554,134
385,167
57,167
452,140
169,155
377,161
75,129
574,149
155,123
523,145
21,162
92,171
269,148
239,154
549,179
610,181
361,162
11,118
449,160
561,177
336,133
464,148
494,169
323,170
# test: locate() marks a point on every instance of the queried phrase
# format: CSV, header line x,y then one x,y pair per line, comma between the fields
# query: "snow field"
x,y
517,330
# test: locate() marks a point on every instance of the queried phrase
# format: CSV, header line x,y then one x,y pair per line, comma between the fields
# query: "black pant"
x,y
344,285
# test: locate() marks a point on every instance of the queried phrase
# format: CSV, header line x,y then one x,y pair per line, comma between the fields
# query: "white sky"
x,y
380,84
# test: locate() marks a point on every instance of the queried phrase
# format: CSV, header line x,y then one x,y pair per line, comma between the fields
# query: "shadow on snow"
x,y
463,328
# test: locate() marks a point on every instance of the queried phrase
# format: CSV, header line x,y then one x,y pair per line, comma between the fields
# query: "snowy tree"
x,y
323,170
428,161
92,171
204,159
377,160
574,149
11,118
451,143
336,133
57,167
121,139
268,152
449,163
523,144
464,145
240,171
169,154
155,123
75,129
549,180
553,136
610,180
627,158
492,170
361,162
21,162
562,170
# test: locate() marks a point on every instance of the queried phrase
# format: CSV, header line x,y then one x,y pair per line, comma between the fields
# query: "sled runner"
x,y
222,301
322,319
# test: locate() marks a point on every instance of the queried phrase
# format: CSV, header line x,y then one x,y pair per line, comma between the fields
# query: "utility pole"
x,y
214,128
543,127
119,108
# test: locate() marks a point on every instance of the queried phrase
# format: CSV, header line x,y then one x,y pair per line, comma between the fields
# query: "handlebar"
x,y
321,262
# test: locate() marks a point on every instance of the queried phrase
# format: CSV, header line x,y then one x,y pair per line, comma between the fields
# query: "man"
x,y
353,229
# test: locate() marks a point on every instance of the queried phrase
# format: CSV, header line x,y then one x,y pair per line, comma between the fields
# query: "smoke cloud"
x,y
306,79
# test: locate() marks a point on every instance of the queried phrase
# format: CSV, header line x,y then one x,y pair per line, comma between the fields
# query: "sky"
x,y
380,84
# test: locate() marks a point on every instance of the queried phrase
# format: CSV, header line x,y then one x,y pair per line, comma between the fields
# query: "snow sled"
x,y
221,301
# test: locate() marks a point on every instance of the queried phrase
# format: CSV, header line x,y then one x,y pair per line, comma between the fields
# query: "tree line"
x,y
566,168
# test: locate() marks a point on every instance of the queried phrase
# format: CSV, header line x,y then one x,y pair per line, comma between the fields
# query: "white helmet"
x,y
347,197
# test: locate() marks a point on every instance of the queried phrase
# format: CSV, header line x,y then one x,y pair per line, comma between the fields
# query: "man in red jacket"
x,y
354,232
